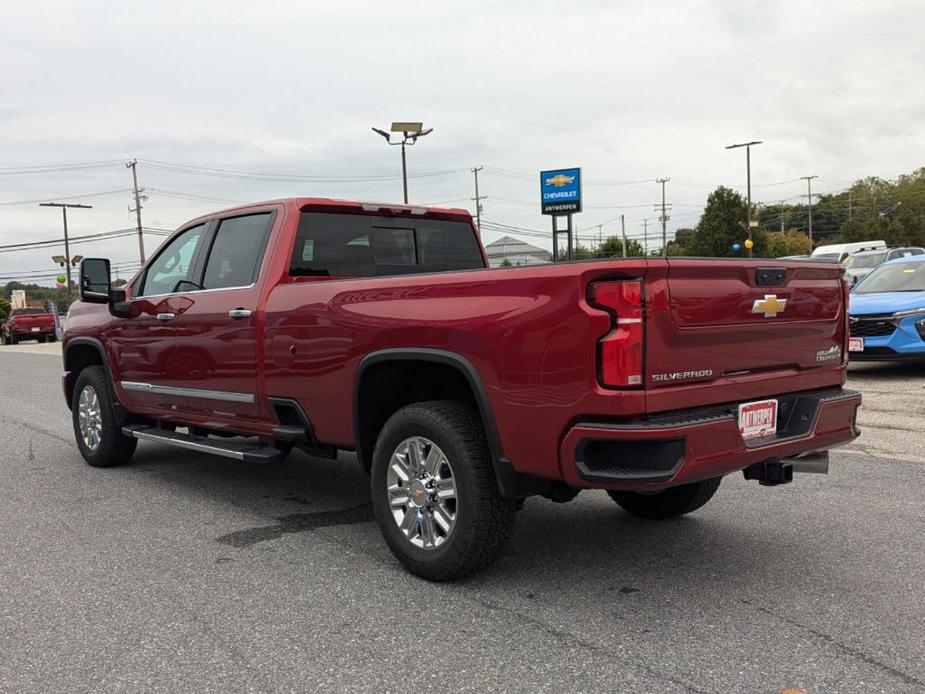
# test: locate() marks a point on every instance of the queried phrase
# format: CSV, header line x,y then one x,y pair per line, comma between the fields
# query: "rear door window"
x,y
237,251
352,245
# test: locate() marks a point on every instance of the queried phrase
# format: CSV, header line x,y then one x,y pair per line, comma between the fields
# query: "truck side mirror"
x,y
95,285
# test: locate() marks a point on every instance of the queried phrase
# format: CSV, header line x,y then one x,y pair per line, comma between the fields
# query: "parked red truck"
x,y
28,324
331,325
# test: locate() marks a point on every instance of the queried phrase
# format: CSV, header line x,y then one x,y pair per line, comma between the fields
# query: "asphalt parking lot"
x,y
184,573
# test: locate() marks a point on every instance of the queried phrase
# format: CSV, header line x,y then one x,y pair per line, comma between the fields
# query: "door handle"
x,y
239,313
166,316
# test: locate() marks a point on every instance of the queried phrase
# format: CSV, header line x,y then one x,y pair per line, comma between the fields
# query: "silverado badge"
x,y
770,305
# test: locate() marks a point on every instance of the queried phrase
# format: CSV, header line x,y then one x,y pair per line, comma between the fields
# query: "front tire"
x,y
434,491
99,436
669,503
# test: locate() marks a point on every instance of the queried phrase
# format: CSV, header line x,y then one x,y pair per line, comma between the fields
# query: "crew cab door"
x,y
216,335
143,346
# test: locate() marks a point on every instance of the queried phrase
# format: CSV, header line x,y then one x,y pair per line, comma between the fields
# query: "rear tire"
x,y
669,503
98,434
434,491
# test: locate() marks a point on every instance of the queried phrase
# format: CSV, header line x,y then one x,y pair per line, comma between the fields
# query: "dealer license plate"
x,y
855,344
35,330
758,419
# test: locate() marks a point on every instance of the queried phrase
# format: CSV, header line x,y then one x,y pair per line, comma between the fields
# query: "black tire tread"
x,y
495,522
670,503
115,447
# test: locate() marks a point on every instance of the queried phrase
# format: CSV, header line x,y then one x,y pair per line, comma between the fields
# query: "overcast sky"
x,y
629,91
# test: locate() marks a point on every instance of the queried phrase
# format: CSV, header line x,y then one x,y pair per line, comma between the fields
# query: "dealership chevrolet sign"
x,y
560,191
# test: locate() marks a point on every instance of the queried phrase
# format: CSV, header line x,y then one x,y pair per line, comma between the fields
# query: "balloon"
x,y
736,247
749,244
60,279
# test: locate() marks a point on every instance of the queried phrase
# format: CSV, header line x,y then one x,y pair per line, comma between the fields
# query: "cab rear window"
x,y
354,245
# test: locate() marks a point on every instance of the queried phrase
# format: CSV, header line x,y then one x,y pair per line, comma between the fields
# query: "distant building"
x,y
516,252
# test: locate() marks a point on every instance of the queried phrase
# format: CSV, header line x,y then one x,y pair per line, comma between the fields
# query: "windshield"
x,y
899,277
826,257
856,262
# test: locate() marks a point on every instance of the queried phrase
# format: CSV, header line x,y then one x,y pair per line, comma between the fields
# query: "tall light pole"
x,y
410,132
67,248
748,175
809,202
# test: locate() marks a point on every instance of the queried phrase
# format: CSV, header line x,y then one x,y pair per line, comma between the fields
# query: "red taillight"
x,y
620,351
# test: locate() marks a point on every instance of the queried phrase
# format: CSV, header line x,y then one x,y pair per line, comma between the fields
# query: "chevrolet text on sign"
x,y
560,191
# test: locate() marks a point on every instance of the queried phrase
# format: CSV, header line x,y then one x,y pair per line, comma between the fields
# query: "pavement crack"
x,y
839,646
39,430
567,637
298,523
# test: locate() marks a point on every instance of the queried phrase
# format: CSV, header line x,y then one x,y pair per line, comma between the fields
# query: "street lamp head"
x,y
383,133
66,204
744,144
407,127
425,132
59,260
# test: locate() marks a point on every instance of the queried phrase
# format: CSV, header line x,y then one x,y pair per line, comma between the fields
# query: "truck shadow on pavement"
x,y
552,543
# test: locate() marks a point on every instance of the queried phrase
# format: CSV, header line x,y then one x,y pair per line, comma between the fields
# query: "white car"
x,y
859,265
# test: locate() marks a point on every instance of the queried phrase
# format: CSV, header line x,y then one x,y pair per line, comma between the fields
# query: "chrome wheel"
x,y
89,418
422,492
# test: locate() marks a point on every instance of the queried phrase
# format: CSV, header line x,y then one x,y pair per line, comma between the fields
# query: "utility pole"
x,y
782,216
623,233
809,199
748,175
664,217
133,164
67,247
645,237
850,191
600,235
478,198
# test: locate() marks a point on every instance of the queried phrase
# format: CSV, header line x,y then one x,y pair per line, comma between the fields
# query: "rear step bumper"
x,y
682,447
227,448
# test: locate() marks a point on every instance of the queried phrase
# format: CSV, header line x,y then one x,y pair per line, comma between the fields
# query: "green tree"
x,y
786,243
721,225
506,263
580,252
5,308
613,248
682,242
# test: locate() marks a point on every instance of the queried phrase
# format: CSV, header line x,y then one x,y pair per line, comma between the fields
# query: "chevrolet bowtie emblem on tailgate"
x,y
770,305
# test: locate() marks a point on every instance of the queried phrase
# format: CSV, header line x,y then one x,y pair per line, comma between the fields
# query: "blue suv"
x,y
887,312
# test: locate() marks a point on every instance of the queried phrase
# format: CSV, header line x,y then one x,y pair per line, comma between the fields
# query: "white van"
x,y
837,252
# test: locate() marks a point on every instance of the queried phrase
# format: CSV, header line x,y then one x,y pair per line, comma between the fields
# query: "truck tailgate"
x,y
721,323
44,321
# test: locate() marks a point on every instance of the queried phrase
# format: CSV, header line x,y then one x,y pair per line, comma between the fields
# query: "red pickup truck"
x,y
343,326
28,324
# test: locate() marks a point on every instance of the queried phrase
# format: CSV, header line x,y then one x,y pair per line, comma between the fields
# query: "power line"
x,y
278,176
9,203
89,238
55,168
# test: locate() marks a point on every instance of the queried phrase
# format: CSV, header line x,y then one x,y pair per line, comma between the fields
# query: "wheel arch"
x,y
463,383
78,354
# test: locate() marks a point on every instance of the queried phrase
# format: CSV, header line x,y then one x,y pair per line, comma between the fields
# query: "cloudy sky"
x,y
629,91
